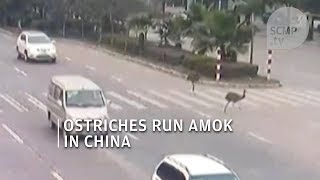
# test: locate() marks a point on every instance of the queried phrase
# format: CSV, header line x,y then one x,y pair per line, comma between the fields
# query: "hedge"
x,y
176,57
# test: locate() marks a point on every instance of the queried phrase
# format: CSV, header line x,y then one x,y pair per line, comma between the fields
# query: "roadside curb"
x,y
184,76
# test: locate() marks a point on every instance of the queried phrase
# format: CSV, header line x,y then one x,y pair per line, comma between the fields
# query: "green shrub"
x,y
207,67
204,65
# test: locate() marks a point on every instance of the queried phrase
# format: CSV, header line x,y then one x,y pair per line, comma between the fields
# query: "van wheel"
x,y
51,123
26,57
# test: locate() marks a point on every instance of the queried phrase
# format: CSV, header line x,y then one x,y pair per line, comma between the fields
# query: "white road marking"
x,y
126,100
204,114
68,59
294,98
270,96
13,134
220,100
1,111
306,95
14,103
170,99
151,101
44,94
36,102
133,136
188,98
116,78
260,99
20,71
115,106
223,94
90,68
259,138
56,175
314,93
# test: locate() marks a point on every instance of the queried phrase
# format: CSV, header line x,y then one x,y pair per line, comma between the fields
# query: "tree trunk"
x,y
251,39
100,32
64,28
82,28
111,25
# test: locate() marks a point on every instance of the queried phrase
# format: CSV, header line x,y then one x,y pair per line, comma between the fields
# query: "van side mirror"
x,y
53,41
109,102
59,102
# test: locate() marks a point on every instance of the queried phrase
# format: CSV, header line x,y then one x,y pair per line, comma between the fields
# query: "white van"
x,y
75,97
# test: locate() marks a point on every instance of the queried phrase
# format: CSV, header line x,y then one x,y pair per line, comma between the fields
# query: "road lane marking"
x,y
68,59
204,95
151,101
56,175
260,138
188,98
14,103
223,94
271,97
116,78
253,97
313,93
133,136
13,134
90,68
293,98
170,99
36,102
126,100
306,95
20,71
203,114
115,106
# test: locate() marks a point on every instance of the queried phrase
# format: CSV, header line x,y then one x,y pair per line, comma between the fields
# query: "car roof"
x,y
199,164
74,82
33,33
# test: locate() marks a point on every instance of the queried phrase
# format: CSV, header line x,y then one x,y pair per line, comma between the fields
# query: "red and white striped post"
x,y
269,64
218,66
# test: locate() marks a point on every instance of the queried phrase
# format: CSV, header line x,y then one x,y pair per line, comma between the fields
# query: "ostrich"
x,y
234,98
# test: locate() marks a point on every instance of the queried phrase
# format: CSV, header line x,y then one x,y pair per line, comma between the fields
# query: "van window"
x,y
168,172
84,98
57,92
51,89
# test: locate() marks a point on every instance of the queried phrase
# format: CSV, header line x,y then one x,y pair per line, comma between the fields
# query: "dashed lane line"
x,y
260,138
15,104
116,78
133,136
170,99
20,71
13,134
56,175
126,100
188,98
90,68
151,101
36,102
68,59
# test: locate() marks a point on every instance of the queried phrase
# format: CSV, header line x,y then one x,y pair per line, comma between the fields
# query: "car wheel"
x,y
26,57
54,60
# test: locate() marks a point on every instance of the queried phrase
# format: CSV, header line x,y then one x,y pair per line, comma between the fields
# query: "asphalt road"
x,y
274,132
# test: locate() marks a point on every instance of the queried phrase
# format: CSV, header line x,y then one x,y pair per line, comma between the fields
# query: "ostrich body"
x,y
233,97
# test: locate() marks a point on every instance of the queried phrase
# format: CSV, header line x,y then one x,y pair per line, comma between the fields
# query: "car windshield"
x,y
215,177
84,98
38,39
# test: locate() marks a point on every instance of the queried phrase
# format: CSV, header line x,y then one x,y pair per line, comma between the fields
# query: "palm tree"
x,y
140,24
218,29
